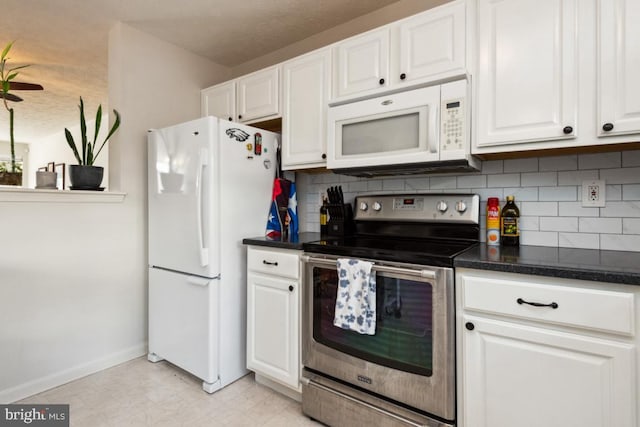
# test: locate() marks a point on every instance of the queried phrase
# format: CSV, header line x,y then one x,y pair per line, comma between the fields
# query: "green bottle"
x,y
324,218
509,227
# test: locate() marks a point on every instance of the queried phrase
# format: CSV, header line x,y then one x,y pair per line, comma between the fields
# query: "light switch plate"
x,y
593,193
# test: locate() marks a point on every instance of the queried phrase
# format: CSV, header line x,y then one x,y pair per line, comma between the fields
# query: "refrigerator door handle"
x,y
204,252
198,281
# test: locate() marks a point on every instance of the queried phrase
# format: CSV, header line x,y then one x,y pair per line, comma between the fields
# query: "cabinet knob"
x,y
324,156
230,119
607,127
240,116
403,76
290,288
470,326
381,81
567,130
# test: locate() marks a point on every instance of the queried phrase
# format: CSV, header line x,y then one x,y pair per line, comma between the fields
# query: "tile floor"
x,y
140,393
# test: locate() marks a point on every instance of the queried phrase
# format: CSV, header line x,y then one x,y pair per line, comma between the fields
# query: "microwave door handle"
x,y
432,131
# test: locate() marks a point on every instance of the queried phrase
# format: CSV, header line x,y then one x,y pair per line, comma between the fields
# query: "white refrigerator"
x,y
210,184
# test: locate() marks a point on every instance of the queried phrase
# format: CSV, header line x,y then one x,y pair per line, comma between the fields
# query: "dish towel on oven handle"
x,y
356,297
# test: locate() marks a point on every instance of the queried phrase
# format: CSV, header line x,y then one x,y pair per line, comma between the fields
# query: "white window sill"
x,y
19,194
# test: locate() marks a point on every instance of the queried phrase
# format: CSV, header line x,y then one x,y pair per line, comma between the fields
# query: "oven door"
x,y
410,359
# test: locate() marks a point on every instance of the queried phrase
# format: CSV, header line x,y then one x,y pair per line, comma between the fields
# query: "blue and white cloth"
x,y
356,297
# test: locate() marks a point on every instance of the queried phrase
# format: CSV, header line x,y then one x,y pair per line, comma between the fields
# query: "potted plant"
x,y
84,175
12,175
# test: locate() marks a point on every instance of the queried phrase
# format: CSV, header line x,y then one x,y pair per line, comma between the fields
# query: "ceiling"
x,y
65,43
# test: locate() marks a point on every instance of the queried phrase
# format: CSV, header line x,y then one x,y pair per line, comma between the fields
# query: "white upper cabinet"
x,y
259,95
362,63
431,45
527,71
556,73
250,98
306,91
424,48
618,67
219,101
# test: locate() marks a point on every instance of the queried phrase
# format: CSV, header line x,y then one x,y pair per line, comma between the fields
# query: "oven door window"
x,y
403,338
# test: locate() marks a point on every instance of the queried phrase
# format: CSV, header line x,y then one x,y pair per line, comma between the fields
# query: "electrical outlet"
x,y
593,194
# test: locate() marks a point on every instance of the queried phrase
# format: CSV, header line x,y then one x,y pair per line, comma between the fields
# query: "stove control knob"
x,y
377,207
442,206
364,206
461,206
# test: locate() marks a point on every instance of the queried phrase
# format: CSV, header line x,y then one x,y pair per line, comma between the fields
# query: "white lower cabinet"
x,y
528,366
273,303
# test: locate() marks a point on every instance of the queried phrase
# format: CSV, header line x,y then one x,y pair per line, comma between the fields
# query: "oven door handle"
x,y
427,274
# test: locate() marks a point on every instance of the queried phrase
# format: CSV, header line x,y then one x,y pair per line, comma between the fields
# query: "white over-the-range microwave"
x,y
417,131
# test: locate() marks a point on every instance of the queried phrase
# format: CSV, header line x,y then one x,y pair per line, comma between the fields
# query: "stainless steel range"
x,y
403,373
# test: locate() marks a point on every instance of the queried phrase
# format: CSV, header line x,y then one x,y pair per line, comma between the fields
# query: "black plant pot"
x,y
86,177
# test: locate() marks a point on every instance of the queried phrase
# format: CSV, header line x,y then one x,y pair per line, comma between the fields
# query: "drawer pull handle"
x,y
264,261
553,305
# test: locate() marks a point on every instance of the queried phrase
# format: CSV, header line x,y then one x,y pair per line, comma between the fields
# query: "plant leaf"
x,y
11,70
83,132
6,50
72,144
89,155
116,125
98,122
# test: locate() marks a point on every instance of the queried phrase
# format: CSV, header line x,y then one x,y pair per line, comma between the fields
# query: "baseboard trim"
x,y
59,378
282,389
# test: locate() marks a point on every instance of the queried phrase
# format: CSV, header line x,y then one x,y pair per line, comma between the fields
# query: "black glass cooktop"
x,y
434,252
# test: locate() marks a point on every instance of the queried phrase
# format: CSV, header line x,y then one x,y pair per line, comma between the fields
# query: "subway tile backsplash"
x,y
548,191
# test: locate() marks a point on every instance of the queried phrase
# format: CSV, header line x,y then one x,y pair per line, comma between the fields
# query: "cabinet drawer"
x,y
272,261
601,310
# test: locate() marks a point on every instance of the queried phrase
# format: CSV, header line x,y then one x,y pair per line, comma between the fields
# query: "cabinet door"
x,y
306,82
219,101
619,62
259,95
272,328
362,63
432,45
527,71
516,375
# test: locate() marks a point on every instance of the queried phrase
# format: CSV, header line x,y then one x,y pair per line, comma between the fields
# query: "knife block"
x,y
340,219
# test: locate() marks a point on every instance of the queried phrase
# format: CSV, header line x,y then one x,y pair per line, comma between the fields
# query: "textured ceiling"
x,y
65,41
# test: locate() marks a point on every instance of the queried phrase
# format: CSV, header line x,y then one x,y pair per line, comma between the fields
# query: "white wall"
x,y
547,191
73,276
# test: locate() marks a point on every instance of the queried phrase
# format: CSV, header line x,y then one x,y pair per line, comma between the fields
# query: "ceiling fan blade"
x,y
10,97
24,86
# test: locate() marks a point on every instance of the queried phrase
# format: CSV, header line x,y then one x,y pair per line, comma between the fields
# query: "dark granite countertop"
x,y
290,242
581,264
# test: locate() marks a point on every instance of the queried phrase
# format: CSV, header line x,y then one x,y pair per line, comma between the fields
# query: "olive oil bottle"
x,y
324,217
509,223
